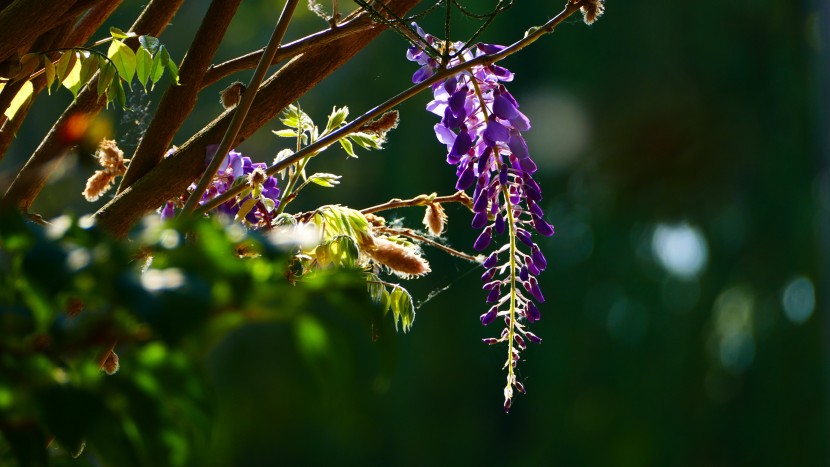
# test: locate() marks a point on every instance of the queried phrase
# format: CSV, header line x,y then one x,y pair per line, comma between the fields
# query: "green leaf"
x,y
157,70
245,208
402,308
365,140
143,66
105,77
49,71
150,43
324,179
337,117
119,34
286,133
269,204
89,65
171,66
73,81
347,146
66,61
123,58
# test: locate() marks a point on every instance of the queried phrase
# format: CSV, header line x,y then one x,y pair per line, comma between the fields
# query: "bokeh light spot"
x,y
681,249
799,299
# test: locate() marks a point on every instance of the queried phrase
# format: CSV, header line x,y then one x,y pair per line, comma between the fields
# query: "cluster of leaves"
x,y
68,292
75,67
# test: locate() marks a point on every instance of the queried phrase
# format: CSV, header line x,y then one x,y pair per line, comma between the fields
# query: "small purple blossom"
x,y
481,126
234,169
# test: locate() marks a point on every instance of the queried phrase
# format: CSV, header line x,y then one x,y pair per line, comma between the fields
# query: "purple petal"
x,y
517,145
168,211
533,337
495,131
466,179
520,121
532,313
479,220
491,260
488,275
523,275
463,143
480,204
490,316
524,236
493,296
491,48
456,103
422,74
542,226
504,108
483,240
538,258
500,224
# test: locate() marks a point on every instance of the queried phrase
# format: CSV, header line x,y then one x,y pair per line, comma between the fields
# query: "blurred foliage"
x,y
184,329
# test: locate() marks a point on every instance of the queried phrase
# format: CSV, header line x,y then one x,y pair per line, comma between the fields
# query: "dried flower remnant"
x,y
111,364
481,126
385,123
231,95
435,219
591,10
403,261
111,158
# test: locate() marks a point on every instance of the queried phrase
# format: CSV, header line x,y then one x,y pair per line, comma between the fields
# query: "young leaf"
x,y
337,117
286,133
324,179
28,65
170,64
269,204
119,34
143,66
245,208
20,99
72,81
157,69
347,146
365,140
150,43
64,64
108,72
49,71
124,59
89,65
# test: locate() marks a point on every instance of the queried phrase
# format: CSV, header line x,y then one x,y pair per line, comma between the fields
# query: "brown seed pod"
x,y
403,261
111,364
231,95
435,219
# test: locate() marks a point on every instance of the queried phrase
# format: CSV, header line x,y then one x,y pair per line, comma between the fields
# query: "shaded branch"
x,y
25,20
416,236
179,101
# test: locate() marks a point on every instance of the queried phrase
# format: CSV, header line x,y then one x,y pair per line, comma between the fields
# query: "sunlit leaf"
x,y
119,34
21,99
67,59
157,69
286,133
246,208
324,179
143,66
49,72
123,58
347,146
108,72
337,117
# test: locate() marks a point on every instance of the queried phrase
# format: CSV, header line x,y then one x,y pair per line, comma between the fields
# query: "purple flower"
x,y
481,126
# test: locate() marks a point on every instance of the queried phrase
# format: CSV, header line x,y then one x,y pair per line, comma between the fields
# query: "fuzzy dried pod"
x,y
386,122
435,219
98,184
592,10
111,156
231,95
111,364
402,261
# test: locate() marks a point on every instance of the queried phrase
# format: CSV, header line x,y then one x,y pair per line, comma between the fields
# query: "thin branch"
x,y
287,51
241,110
354,125
422,200
415,235
179,101
32,177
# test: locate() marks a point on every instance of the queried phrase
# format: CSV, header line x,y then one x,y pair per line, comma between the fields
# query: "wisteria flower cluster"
x,y
256,205
482,127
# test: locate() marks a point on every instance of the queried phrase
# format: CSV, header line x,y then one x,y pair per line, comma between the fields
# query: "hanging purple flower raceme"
x,y
235,169
481,125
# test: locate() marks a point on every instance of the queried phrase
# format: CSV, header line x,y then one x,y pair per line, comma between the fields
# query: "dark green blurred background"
x,y
683,152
